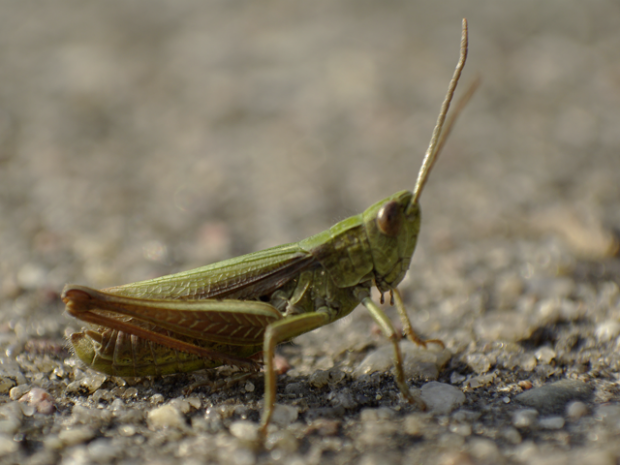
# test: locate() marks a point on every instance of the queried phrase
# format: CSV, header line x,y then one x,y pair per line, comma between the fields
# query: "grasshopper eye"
x,y
389,219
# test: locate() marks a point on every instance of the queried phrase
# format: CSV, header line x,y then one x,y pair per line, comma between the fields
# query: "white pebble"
x,y
18,391
485,450
194,402
524,418
377,414
284,415
481,380
156,399
480,363
545,354
441,398
457,378
576,410
552,422
528,362
244,430
607,330
166,416
319,379
414,425
73,436
102,451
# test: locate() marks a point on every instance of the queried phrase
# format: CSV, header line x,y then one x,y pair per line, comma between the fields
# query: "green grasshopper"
x,y
231,311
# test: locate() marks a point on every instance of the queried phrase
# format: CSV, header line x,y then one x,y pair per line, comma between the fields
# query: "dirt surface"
x,y
143,138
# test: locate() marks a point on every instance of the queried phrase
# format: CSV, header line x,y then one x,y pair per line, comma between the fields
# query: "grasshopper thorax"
x,y
392,226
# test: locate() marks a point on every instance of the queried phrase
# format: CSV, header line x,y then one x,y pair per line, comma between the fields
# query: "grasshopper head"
x,y
392,226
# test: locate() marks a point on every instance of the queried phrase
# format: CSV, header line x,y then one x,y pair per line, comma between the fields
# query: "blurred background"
x,y
146,137
140,138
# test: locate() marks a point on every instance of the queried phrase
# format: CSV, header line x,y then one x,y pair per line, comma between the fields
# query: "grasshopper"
x,y
227,313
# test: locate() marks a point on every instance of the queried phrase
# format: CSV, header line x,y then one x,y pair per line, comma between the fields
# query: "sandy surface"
x,y
143,138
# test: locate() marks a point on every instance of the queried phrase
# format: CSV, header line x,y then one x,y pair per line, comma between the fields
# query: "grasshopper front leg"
x,y
388,330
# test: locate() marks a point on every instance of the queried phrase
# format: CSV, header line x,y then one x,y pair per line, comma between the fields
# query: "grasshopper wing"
x,y
247,277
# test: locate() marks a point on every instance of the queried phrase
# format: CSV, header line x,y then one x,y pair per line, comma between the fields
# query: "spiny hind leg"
x,y
277,332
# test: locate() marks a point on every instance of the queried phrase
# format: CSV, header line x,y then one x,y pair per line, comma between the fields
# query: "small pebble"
x,y
464,415
377,414
130,393
324,427
52,442
7,383
552,398
480,363
552,422
441,398
319,379
528,362
548,312
482,380
414,425
194,402
485,450
18,391
90,383
545,354
457,378
576,410
166,416
462,429
283,441
296,389
525,418
90,416
245,430
40,400
511,435
127,430
102,450
376,433
418,363
157,399
284,415
181,404
73,436
607,330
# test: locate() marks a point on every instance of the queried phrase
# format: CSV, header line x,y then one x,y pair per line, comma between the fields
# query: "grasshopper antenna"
x,y
439,137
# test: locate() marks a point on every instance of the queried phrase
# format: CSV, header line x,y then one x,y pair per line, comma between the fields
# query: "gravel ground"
x,y
142,138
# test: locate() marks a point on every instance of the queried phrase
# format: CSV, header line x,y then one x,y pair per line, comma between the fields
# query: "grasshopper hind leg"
x,y
281,331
